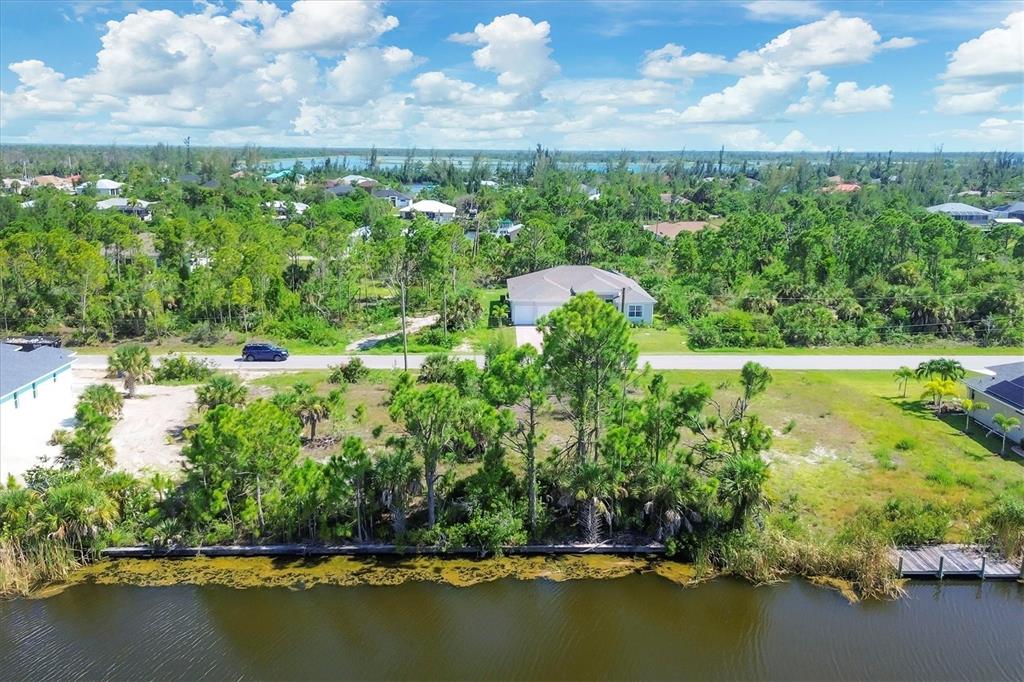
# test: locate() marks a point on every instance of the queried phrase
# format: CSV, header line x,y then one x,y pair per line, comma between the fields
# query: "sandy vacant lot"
x,y
147,437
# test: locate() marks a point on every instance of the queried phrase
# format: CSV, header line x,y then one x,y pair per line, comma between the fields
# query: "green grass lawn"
x,y
844,439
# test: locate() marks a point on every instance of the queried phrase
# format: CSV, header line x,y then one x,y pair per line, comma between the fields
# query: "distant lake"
x,y
357,164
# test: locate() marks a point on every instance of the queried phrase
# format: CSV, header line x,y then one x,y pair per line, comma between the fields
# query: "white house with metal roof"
x,y
534,295
108,188
437,211
36,398
1002,388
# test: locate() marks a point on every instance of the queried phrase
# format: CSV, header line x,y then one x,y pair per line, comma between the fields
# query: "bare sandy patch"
x,y
148,435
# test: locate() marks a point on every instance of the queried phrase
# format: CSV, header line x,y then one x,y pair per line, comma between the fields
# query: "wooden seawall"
x,y
953,561
146,552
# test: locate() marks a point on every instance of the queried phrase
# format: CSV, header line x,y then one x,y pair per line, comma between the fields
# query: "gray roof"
x,y
1005,385
956,208
341,190
19,368
1010,208
558,284
385,193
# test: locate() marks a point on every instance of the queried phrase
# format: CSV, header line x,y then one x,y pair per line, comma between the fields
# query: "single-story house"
x,y
488,183
1014,210
139,209
592,193
108,188
355,180
340,190
534,295
36,398
396,198
670,198
435,210
1003,389
964,212
672,230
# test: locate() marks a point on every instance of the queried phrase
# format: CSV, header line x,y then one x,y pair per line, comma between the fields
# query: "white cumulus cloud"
x,y
849,98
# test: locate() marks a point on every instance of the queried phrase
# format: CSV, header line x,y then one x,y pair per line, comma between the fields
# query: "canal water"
x,y
641,626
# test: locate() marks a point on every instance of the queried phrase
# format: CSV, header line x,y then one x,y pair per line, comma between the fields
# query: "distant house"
x,y
278,176
534,295
488,183
1007,221
396,198
434,210
672,230
190,179
963,212
508,230
670,198
15,185
108,188
359,180
340,190
35,400
283,208
238,175
592,193
1003,390
139,209
1014,210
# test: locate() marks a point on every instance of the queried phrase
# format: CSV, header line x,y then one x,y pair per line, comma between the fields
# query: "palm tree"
x,y
903,375
221,390
104,398
938,390
1005,424
944,368
312,407
396,476
742,486
133,362
593,491
78,512
970,406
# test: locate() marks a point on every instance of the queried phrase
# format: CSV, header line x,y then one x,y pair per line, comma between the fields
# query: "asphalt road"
x,y
688,361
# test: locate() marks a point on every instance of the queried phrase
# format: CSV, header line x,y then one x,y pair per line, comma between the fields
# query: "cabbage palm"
x,y
104,398
742,484
221,390
133,362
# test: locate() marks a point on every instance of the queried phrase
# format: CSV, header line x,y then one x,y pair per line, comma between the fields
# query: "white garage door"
x,y
523,313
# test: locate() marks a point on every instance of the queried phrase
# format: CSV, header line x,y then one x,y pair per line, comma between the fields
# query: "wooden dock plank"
x,y
956,561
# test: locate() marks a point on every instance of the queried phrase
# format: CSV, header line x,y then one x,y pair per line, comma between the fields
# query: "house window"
x,y
635,311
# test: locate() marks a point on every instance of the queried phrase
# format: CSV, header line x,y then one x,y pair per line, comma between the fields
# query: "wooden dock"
x,y
953,561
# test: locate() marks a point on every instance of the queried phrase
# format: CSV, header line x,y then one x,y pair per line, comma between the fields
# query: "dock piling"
x,y
942,562
984,557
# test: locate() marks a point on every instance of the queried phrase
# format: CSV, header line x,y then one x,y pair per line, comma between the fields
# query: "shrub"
x,y
352,372
204,334
805,324
443,369
464,310
1002,527
313,329
180,367
734,329
905,443
902,521
103,398
884,459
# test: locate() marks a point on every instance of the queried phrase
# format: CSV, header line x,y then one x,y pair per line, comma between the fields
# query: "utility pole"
x,y
405,336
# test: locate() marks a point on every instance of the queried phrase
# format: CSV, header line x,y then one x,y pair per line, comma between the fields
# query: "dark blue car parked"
x,y
264,351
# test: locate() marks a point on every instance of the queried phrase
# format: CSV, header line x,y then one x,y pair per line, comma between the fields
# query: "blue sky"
x,y
750,75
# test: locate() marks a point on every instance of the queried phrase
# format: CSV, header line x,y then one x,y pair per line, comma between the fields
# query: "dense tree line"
x,y
789,265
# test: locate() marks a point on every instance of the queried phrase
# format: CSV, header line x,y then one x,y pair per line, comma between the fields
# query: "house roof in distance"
x,y
108,184
386,193
558,284
957,208
19,368
1005,384
429,206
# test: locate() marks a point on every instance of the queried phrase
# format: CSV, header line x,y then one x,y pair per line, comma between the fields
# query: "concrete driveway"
x,y
526,334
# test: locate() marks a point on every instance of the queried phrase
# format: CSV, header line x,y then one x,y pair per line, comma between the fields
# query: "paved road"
x,y
691,361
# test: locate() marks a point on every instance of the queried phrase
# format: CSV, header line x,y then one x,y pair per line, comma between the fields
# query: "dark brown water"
x,y
637,627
